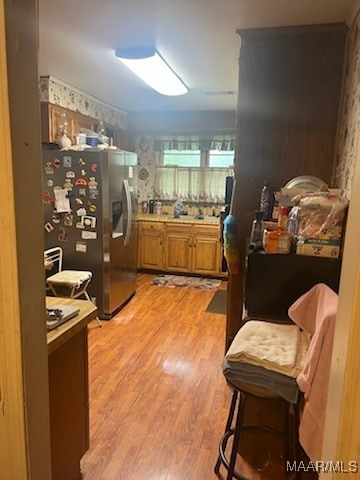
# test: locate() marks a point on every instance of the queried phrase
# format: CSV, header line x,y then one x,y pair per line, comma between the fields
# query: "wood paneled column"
x,y
288,101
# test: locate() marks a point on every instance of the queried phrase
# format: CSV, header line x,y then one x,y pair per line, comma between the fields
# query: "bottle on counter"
x,y
151,206
256,235
266,201
158,208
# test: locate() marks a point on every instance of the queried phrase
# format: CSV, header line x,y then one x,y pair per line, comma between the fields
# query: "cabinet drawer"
x,y
178,228
158,226
206,230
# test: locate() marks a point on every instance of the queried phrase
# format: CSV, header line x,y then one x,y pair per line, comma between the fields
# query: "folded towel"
x,y
283,385
270,345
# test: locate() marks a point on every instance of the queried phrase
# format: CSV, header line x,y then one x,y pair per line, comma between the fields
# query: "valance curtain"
x,y
223,142
191,184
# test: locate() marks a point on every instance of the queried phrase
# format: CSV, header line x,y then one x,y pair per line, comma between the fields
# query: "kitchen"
x,y
26,221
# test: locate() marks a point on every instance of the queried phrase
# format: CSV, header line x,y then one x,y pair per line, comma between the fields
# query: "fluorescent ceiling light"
x,y
148,64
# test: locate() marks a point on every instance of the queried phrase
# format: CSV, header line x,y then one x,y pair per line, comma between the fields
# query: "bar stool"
x,y
241,392
264,380
74,282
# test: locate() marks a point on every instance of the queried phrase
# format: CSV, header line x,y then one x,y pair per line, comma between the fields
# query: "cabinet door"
x,y
178,252
57,121
84,122
206,255
151,246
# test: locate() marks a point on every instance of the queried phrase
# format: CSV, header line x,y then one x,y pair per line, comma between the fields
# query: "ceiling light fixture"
x,y
149,65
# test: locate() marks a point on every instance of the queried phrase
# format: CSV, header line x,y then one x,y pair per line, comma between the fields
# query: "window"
x,y
194,175
198,158
182,158
219,158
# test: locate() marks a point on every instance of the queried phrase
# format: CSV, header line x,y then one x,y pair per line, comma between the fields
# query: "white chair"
x,y
76,281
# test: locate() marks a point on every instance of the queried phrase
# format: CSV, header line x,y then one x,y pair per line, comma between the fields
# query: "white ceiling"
x,y
196,37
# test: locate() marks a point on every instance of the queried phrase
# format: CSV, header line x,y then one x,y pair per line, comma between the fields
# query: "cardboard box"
x,y
314,247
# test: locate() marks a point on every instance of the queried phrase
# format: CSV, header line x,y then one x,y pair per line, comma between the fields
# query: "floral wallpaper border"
x,y
350,113
58,93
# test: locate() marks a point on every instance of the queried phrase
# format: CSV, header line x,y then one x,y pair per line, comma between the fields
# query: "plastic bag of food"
x,y
319,214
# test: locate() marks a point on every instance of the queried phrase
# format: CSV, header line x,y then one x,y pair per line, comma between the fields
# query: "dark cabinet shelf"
x,y
274,282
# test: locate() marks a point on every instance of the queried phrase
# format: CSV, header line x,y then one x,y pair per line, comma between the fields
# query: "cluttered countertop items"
x,y
304,217
157,211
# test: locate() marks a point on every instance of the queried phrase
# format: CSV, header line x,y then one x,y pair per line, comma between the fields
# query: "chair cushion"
x,y
281,348
70,277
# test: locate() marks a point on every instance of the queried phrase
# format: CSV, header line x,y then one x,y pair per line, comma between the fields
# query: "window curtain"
x,y
224,142
191,184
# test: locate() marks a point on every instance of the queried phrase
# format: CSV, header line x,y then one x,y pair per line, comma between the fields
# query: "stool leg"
x,y
228,425
296,422
237,432
88,298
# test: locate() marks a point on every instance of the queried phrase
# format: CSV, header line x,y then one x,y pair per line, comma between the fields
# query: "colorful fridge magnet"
x,y
93,193
81,181
81,212
49,169
49,183
56,163
56,218
46,197
63,235
70,174
92,183
81,162
93,167
48,227
92,208
66,161
82,192
68,219
83,172
78,201
79,225
88,222
68,185
81,247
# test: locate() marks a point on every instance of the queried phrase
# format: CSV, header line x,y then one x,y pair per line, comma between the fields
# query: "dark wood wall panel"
x,y
289,91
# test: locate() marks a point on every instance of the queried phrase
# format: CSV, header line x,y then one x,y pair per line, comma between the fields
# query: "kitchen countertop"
x,y
152,217
62,333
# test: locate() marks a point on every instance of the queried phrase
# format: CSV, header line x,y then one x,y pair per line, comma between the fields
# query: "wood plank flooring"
x,y
158,399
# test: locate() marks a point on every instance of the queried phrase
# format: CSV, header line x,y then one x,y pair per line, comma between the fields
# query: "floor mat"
x,y
186,282
218,303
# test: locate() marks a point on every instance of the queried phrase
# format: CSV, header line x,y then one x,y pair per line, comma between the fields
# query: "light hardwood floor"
x,y
158,399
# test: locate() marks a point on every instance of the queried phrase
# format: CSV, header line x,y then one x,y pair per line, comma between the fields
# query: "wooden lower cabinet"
x,y
151,238
180,248
206,256
69,406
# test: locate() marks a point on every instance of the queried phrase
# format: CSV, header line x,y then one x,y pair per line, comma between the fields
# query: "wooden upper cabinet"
x,y
52,118
84,122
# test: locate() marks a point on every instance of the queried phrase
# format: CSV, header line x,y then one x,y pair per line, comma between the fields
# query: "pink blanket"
x,y
315,312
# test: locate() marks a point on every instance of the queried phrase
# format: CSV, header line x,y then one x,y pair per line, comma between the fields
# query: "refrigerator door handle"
x,y
129,212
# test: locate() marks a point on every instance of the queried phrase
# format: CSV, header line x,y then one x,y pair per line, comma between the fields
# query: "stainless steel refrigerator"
x,y
89,210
